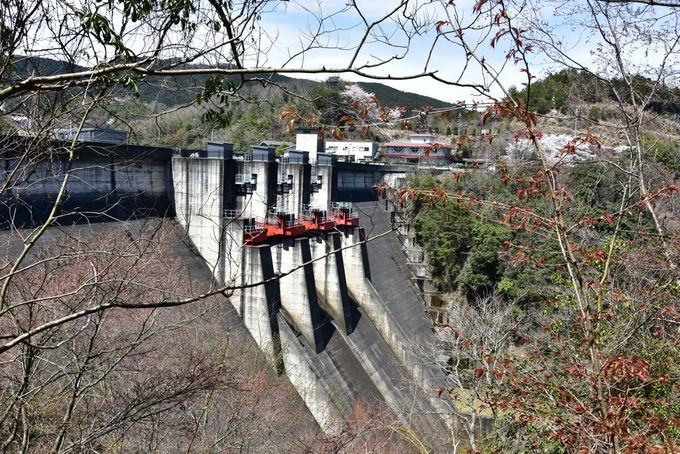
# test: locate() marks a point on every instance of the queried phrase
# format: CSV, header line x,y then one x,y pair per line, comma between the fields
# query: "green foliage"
x,y
471,253
100,29
132,109
329,103
484,268
552,92
663,151
547,94
595,189
462,250
444,232
597,193
252,128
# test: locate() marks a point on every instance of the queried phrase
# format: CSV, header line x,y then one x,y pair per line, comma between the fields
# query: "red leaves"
x,y
485,116
623,368
383,189
589,139
502,32
287,113
479,372
608,218
292,116
384,115
461,140
500,109
478,5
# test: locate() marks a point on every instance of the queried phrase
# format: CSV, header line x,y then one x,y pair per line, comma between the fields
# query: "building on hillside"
x,y
104,135
280,147
353,151
421,148
274,144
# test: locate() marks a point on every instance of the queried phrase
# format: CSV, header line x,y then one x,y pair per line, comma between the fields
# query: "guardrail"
x,y
233,214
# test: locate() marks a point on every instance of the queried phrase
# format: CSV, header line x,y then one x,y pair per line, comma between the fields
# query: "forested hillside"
x,y
175,91
562,90
558,268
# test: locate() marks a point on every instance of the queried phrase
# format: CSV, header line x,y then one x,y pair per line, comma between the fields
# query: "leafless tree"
x,y
65,362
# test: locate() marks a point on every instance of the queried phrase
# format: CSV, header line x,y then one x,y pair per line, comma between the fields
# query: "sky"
x,y
330,31
294,22
644,32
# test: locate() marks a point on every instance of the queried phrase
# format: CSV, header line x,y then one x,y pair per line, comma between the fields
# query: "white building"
x,y
353,151
421,148
309,140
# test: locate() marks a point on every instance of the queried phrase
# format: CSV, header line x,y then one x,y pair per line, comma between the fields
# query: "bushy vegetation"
x,y
554,92
515,320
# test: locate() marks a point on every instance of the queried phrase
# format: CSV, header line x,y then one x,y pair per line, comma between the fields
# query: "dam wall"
x,y
288,242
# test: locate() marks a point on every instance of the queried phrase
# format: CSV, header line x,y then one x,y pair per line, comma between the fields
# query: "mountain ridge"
x,y
173,91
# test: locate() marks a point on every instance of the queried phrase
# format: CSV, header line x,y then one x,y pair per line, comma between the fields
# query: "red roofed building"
x,y
420,148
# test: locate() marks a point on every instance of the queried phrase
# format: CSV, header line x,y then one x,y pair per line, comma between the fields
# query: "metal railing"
x,y
276,211
320,218
310,213
293,223
309,208
243,178
243,157
252,228
274,216
232,214
342,205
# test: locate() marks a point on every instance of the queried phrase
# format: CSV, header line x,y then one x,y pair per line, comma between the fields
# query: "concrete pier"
x,y
260,171
298,290
324,181
331,282
355,259
260,304
339,338
293,184
314,391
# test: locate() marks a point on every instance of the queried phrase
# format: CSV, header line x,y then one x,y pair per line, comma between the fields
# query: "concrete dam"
x,y
320,283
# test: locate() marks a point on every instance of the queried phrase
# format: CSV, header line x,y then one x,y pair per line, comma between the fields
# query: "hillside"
x,y
568,87
392,97
183,89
